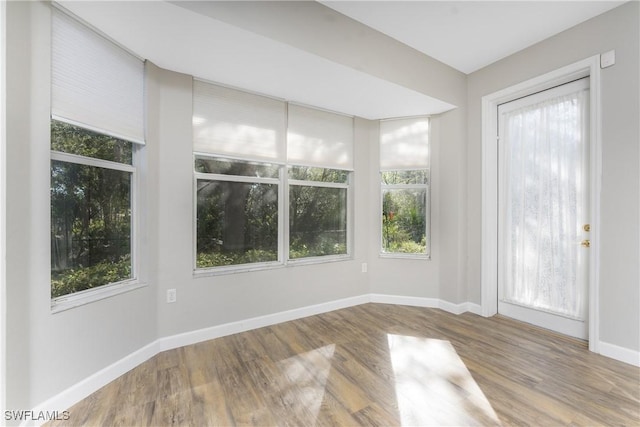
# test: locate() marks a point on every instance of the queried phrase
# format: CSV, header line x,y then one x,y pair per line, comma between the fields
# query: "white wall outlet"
x,y
171,295
364,267
608,59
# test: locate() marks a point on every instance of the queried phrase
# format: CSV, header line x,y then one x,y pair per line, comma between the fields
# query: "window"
x,y
317,212
237,208
404,212
255,154
404,164
96,128
91,186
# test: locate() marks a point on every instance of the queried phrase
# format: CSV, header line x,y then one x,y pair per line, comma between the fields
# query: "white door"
x,y
543,202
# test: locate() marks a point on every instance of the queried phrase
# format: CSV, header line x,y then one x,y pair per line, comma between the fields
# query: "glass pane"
x,y
404,221
304,173
90,227
237,223
317,221
76,140
237,168
418,176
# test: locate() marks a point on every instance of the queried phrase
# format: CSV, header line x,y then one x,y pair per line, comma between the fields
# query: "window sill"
x,y
405,256
88,296
319,259
233,269
247,268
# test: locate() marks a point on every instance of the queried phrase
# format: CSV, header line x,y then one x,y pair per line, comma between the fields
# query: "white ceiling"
x,y
469,35
464,35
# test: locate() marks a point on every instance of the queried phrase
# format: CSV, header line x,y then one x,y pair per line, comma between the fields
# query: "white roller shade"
x,y
237,124
94,83
319,138
404,144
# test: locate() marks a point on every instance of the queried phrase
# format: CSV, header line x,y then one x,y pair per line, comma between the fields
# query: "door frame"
x,y
489,253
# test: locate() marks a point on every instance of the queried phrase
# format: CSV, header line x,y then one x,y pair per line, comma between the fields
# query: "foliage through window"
x,y
238,209
404,212
237,212
317,212
91,207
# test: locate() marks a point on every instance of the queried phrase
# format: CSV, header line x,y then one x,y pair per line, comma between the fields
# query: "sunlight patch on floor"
x,y
307,376
433,385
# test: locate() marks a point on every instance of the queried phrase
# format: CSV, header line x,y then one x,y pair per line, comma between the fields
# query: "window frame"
x,y
75,299
427,208
234,268
347,185
284,182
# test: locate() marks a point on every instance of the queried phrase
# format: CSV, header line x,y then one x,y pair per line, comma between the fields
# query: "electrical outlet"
x,y
364,267
171,295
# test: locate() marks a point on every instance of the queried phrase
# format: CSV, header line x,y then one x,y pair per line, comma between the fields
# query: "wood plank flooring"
x,y
374,364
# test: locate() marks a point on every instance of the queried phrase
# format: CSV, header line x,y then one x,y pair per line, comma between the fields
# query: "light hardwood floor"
x,y
374,364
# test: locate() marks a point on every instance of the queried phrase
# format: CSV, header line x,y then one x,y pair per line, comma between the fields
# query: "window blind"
x,y
238,124
404,144
95,83
319,138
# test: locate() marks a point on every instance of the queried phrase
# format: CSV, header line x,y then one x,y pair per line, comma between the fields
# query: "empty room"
x,y
320,213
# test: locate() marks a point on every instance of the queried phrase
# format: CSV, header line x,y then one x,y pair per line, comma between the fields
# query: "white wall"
x,y
619,275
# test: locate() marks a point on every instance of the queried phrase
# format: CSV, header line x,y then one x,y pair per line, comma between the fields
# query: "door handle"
x,y
586,243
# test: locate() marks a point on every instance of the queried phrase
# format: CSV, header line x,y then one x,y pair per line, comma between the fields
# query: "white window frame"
x,y
65,302
284,184
305,183
326,128
424,186
236,268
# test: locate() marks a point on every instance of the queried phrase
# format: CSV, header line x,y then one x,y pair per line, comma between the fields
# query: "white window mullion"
x,y
350,216
91,161
318,184
283,217
235,178
404,186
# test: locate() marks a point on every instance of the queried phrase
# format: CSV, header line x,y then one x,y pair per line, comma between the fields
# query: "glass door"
x,y
543,229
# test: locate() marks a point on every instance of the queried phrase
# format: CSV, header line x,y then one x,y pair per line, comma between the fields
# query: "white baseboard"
x,y
428,303
474,308
84,388
188,338
402,300
621,354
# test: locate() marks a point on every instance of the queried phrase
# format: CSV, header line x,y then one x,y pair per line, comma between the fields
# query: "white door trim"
x,y
489,255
